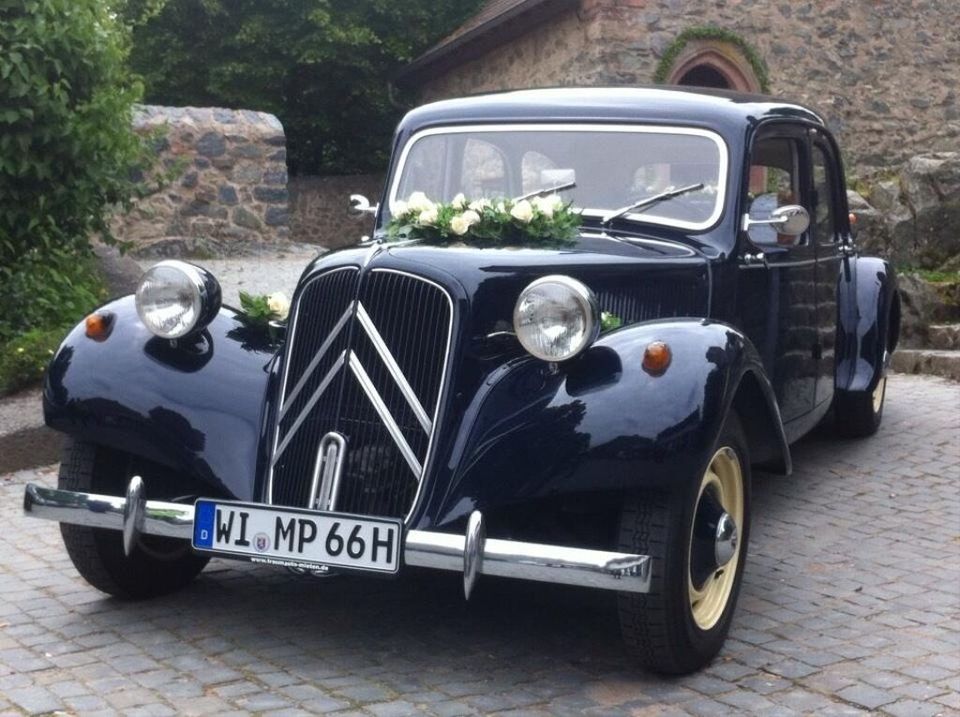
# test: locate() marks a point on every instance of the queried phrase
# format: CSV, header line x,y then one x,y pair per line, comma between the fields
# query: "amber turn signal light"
x,y
656,358
98,325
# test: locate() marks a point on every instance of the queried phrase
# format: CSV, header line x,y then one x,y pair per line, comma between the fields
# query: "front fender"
x,y
869,325
197,407
601,422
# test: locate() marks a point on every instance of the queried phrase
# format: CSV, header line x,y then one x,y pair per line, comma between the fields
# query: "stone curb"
x,y
929,362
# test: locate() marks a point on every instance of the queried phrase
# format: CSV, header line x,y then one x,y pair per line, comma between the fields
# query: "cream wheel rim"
x,y
722,483
878,394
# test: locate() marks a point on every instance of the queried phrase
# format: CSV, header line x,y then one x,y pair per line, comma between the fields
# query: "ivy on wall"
x,y
718,34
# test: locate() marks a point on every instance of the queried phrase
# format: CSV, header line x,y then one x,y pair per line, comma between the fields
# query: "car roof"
x,y
669,105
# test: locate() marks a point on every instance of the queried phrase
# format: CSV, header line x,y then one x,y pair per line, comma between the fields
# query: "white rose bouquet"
x,y
541,221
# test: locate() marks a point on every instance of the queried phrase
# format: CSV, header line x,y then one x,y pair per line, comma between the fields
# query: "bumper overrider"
x,y
473,554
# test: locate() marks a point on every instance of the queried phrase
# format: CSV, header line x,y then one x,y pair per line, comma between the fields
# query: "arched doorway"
x,y
717,64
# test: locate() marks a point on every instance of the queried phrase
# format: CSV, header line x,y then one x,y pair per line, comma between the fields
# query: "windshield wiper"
x,y
545,190
648,202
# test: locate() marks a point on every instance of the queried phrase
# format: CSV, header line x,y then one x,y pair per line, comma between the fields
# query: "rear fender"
x,y
602,423
197,407
868,328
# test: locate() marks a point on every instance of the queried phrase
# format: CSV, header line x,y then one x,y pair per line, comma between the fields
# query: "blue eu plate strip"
x,y
203,516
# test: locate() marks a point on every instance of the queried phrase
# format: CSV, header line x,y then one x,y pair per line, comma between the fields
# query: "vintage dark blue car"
x,y
586,413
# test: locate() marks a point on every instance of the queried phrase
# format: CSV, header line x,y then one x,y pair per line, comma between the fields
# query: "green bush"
x,y
23,360
67,147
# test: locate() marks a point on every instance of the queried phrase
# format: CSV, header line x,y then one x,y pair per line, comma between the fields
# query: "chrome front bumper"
x,y
473,553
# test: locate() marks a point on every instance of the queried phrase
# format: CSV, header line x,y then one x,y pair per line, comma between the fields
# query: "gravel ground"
x,y
262,273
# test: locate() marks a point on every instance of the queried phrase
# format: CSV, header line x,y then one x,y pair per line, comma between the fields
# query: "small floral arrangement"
x,y
538,221
261,309
609,321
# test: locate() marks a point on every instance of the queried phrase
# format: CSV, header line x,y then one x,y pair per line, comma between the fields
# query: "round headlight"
x,y
556,318
175,298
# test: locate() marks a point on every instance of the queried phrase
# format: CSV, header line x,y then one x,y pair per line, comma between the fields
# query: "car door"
x,y
776,295
827,226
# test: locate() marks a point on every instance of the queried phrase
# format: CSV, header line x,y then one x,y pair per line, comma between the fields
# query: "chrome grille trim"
x,y
379,395
381,408
286,402
288,351
331,374
405,389
444,380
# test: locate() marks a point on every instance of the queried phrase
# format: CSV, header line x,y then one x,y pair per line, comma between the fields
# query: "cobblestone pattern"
x,y
851,604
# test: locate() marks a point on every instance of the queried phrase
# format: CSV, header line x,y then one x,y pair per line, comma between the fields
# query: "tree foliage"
x,y
322,66
66,152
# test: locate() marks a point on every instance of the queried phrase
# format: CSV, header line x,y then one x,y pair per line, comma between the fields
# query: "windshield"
x,y
612,167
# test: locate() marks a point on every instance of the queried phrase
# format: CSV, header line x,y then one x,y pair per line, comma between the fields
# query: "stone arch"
x,y
710,63
712,57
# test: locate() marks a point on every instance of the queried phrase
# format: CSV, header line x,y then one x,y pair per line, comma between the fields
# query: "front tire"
x,y
680,625
155,567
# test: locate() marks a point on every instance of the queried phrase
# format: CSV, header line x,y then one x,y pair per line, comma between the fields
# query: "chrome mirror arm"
x,y
359,204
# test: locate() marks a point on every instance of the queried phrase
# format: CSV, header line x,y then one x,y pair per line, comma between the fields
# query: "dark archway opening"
x,y
705,76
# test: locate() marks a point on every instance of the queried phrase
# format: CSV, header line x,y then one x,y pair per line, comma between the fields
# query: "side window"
x,y
824,215
484,170
774,182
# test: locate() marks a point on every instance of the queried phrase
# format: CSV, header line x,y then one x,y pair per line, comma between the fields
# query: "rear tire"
x,y
680,625
155,567
858,414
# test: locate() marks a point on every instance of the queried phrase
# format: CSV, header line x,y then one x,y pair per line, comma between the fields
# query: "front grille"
x,y
366,361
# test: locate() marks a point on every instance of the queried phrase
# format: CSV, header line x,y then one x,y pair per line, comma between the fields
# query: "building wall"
x,y
884,73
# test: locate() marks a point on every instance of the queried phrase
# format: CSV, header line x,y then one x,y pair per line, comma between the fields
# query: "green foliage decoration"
x,y
67,151
719,34
322,66
541,221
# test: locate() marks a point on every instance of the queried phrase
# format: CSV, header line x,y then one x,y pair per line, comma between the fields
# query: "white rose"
x,y
428,217
501,207
555,201
400,208
279,305
543,205
471,216
478,205
522,211
418,202
459,201
459,225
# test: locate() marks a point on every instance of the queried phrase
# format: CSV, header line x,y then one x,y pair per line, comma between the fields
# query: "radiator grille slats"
x,y
412,317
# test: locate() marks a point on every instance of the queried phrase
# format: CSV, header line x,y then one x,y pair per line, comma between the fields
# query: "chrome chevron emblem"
x,y
350,359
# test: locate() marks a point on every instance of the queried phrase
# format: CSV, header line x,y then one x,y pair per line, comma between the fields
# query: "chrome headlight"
x,y
556,318
175,298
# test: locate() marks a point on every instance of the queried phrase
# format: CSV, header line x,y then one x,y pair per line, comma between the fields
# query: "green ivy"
x,y
719,34
23,360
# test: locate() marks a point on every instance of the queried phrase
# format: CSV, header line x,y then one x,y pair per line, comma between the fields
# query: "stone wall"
x,y
225,187
883,73
320,208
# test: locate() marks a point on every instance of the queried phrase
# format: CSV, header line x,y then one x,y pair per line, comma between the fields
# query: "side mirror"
x,y
791,221
359,204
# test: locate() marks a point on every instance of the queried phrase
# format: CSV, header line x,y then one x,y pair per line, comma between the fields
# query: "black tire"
x,y
659,628
857,414
157,565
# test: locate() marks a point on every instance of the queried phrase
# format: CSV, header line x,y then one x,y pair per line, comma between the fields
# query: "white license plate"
x,y
294,537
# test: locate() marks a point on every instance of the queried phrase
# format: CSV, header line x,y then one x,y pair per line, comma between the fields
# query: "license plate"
x,y
293,537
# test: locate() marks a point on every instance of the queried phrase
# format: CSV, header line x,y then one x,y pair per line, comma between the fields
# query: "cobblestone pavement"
x,y
851,603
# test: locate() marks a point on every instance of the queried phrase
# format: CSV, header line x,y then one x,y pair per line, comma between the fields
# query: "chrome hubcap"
x,y
726,540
